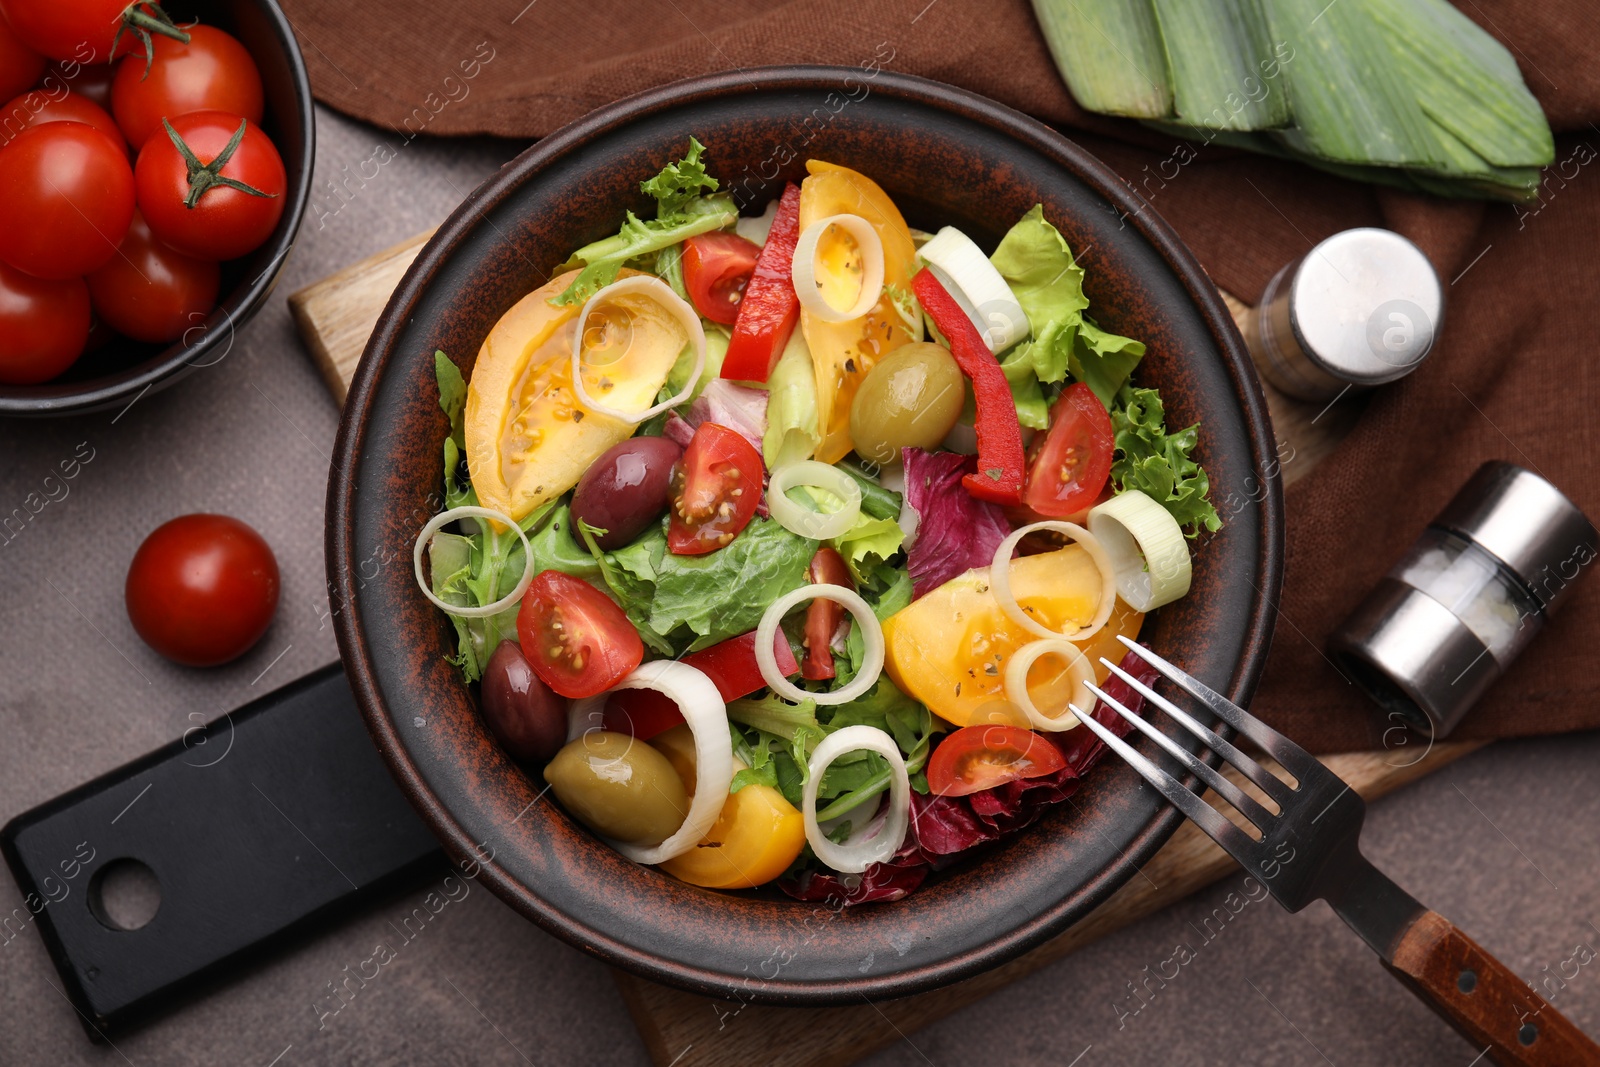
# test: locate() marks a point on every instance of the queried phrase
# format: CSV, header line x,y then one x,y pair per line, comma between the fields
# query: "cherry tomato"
x,y
575,637
716,269
1072,463
92,81
66,198
150,292
982,757
202,589
213,72
20,66
84,30
224,222
823,615
715,491
39,107
44,326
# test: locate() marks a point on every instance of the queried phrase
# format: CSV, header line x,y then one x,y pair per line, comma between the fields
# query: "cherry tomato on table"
x,y
575,637
205,214
202,589
66,198
715,491
85,31
150,292
39,107
44,326
981,757
1072,462
20,66
716,269
213,72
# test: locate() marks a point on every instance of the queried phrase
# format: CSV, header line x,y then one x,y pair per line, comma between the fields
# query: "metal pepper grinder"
x,y
1360,309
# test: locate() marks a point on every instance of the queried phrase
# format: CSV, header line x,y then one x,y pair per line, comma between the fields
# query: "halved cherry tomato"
x,y
1071,464
716,268
982,757
213,72
731,665
576,638
39,107
715,491
823,615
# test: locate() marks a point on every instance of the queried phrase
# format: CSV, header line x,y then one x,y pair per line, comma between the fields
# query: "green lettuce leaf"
x,y
1158,463
687,204
684,603
680,183
1103,361
1035,261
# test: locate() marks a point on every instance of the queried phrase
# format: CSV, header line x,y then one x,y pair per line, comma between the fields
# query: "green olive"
x,y
910,398
619,788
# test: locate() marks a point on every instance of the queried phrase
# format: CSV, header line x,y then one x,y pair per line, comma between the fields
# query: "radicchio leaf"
x,y
955,530
738,407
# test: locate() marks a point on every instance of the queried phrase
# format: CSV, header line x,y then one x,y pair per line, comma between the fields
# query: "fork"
x,y
1309,849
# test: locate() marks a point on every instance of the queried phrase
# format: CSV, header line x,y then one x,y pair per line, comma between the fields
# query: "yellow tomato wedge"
x,y
755,839
843,352
949,649
528,438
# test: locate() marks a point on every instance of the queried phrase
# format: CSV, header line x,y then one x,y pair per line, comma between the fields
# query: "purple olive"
x,y
526,716
626,489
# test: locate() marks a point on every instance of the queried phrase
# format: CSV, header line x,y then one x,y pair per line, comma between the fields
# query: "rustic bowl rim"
x,y
381,348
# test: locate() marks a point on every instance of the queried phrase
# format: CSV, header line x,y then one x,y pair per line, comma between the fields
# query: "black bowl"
x,y
114,374
946,156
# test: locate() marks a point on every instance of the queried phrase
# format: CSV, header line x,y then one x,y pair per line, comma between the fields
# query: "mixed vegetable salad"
x,y
791,545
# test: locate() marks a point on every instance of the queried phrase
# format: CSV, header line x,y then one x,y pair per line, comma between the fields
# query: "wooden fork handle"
x,y
1485,1000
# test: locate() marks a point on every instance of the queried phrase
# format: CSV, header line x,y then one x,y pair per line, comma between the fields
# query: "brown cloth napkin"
x,y
1513,376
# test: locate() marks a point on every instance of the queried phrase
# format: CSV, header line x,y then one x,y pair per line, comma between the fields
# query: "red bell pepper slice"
x,y
731,666
769,310
823,615
1000,462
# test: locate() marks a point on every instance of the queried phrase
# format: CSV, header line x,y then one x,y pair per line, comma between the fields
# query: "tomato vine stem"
x,y
204,176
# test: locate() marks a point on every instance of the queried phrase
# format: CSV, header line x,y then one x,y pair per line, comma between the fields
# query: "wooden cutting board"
x,y
336,315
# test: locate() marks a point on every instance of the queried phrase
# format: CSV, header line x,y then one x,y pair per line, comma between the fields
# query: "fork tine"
x,y
1209,819
1269,783
1285,751
1244,802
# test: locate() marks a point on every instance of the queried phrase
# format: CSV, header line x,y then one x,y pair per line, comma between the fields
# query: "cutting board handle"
x,y
1485,1000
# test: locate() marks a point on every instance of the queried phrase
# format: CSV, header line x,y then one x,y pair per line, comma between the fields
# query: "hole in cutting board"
x,y
124,894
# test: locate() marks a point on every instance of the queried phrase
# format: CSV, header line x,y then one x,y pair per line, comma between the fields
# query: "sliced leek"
x,y
977,286
1147,549
817,282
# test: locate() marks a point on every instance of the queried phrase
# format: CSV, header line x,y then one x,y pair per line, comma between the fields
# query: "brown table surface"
x,y
1506,842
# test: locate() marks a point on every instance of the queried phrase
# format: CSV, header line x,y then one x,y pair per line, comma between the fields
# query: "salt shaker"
x,y
1360,309
1473,590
